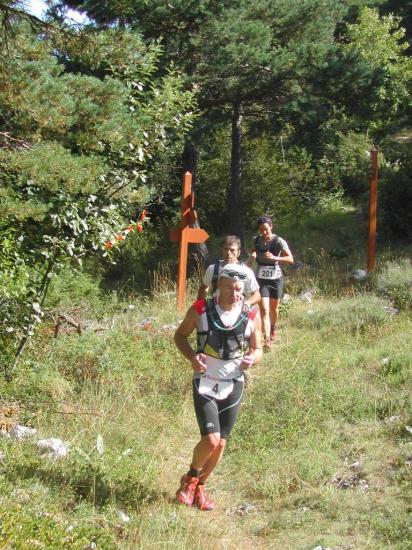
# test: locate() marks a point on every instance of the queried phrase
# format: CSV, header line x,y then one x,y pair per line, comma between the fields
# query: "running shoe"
x,y
273,334
186,492
202,500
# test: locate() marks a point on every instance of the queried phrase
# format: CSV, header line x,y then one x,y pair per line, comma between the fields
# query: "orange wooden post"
x,y
185,235
372,210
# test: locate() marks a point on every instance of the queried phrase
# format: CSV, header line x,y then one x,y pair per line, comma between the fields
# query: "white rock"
x,y
126,452
123,517
21,432
391,310
130,307
53,447
395,418
287,298
306,296
359,275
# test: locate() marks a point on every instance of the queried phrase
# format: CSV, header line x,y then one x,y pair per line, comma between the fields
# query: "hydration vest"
x,y
219,340
262,246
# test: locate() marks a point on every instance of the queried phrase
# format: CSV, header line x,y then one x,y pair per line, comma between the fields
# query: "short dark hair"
x,y
265,219
231,240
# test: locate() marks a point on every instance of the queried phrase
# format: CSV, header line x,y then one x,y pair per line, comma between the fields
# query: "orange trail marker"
x,y
185,235
372,209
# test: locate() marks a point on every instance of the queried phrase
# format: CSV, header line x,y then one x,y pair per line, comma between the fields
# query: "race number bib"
x,y
219,388
269,272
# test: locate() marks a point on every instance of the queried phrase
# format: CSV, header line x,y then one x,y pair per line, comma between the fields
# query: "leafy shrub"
x,y
99,477
395,198
351,157
394,369
73,287
351,315
135,261
394,282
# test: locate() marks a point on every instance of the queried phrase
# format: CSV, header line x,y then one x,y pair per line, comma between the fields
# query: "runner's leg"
x,y
228,412
274,310
213,460
276,294
207,414
264,306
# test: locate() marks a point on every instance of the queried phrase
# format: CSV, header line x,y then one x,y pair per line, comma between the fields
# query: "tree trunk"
x,y
41,295
199,252
233,199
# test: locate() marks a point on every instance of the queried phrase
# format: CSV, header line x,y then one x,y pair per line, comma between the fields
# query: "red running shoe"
x,y
202,500
186,492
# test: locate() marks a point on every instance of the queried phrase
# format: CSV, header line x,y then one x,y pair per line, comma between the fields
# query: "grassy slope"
x,y
321,454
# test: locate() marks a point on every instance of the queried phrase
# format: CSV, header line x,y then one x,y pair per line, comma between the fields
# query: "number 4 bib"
x,y
219,388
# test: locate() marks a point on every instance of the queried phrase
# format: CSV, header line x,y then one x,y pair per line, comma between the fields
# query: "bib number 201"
x,y
267,273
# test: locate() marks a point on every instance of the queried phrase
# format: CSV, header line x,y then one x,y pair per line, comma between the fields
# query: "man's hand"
x,y
199,362
247,362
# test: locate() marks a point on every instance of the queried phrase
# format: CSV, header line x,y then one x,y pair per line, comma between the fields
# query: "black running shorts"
x,y
271,288
214,415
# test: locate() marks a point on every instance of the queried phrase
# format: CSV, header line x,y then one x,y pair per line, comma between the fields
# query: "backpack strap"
x,y
215,276
255,242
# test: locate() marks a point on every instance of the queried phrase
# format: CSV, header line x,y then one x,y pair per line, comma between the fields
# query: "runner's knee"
x,y
222,443
264,309
213,440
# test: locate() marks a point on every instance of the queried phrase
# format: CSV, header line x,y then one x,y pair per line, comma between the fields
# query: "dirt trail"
x,y
236,523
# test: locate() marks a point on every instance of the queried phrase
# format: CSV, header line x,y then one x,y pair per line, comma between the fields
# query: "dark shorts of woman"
x,y
217,415
271,288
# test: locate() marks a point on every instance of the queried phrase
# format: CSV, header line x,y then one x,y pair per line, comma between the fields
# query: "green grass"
x,y
320,455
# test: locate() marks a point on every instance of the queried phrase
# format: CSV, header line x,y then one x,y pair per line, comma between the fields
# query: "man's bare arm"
x,y
203,291
253,299
185,329
251,259
254,354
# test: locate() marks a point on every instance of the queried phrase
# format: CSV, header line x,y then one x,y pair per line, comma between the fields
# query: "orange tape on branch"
x,y
133,227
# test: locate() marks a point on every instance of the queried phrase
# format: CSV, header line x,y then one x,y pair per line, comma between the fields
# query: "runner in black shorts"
x,y
269,251
272,289
217,414
228,343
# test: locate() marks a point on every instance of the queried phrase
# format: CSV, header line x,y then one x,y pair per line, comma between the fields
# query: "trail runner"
x,y
269,251
228,343
231,248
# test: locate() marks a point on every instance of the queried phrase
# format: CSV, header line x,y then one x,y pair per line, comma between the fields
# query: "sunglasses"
x,y
234,275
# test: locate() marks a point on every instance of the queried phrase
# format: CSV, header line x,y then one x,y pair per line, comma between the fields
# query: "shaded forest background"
x,y
273,104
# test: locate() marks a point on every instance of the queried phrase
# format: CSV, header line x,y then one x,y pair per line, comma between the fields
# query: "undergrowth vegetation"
x,y
321,454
